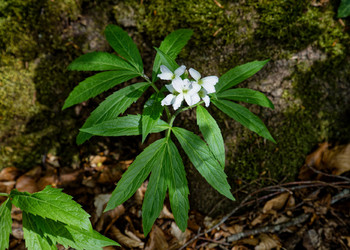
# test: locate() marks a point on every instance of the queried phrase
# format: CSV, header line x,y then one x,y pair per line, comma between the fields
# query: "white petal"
x,y
210,88
195,74
195,99
206,100
178,84
195,87
168,100
164,69
166,76
170,88
210,79
178,101
188,99
180,70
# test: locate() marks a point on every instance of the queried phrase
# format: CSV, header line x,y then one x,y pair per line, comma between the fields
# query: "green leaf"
x,y
94,85
246,95
155,194
34,237
100,61
344,9
136,173
52,203
112,107
124,45
69,236
5,224
172,45
151,113
123,126
244,116
238,75
211,133
203,160
167,60
177,183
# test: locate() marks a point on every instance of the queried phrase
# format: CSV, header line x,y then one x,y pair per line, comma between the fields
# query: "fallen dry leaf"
x,y
180,236
166,214
97,160
337,159
157,240
268,242
276,203
28,181
123,239
9,174
100,201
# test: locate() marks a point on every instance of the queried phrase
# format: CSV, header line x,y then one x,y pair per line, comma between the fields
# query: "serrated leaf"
x,y
136,174
244,117
112,107
5,224
123,126
95,85
100,61
344,9
52,203
212,134
166,60
151,113
70,236
172,45
122,43
34,237
155,194
246,95
177,183
203,160
238,75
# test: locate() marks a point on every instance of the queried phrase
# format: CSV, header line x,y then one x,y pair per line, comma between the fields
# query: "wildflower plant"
x,y
179,90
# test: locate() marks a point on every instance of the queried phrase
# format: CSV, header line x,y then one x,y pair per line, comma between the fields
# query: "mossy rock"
x,y
306,78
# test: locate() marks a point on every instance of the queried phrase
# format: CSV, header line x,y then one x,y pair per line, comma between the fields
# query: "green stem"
x,y
4,194
172,118
157,90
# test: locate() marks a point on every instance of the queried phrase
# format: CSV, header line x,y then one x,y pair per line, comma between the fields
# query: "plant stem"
x,y
157,90
172,118
4,194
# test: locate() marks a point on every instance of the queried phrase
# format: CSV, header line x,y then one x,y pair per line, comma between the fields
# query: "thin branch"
x,y
269,229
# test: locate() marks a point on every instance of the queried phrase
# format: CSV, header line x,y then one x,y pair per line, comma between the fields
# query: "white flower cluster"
x,y
184,89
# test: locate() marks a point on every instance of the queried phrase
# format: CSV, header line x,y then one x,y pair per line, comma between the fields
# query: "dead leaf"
x,y
9,174
140,193
239,247
123,239
109,174
100,201
314,160
312,240
166,214
69,176
276,203
181,237
337,159
268,242
259,219
111,216
17,230
97,160
28,181
157,240
235,229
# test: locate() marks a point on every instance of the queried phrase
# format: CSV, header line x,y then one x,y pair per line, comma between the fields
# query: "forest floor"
x,y
310,213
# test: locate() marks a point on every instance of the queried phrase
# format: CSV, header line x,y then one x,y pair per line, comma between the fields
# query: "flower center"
x,y
200,82
185,91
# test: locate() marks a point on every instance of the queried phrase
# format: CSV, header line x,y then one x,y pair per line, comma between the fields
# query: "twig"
x,y
328,175
269,229
343,194
218,224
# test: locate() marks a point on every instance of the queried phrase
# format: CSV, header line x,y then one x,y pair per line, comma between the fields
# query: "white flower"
x,y
181,90
168,75
208,83
169,99
204,95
